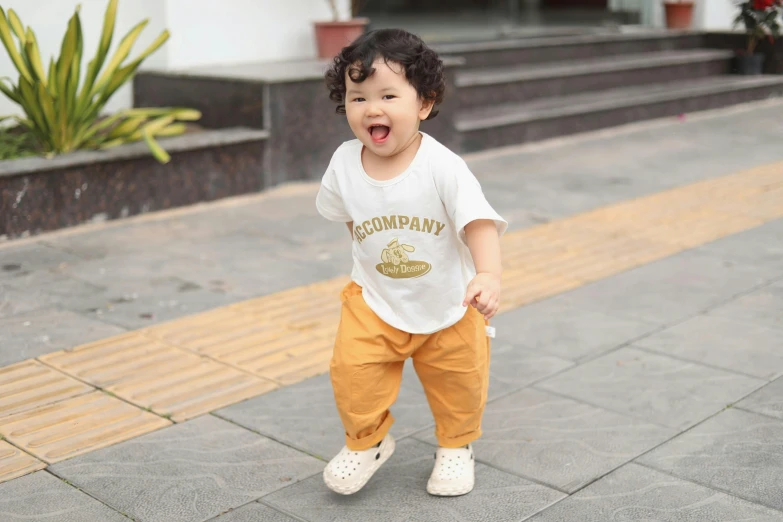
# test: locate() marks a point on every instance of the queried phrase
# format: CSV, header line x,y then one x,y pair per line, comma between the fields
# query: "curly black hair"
x,y
423,68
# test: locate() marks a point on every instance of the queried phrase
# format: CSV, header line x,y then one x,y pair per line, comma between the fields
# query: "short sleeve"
x,y
462,196
329,201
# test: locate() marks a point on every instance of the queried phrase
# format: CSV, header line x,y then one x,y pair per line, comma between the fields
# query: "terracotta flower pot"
x,y
679,15
331,37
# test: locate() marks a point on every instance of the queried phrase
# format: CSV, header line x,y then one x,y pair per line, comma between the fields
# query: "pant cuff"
x,y
370,440
458,442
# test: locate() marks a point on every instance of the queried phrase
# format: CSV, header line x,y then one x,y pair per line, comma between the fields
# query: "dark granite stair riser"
x,y
42,200
223,102
536,130
521,91
733,41
544,54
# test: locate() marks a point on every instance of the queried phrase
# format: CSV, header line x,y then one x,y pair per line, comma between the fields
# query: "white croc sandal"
x,y
453,472
350,470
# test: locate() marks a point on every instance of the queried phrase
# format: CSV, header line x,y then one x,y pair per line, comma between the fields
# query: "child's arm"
x,y
484,290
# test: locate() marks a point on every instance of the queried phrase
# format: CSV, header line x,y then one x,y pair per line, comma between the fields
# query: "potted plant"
x,y
761,19
62,105
335,34
679,13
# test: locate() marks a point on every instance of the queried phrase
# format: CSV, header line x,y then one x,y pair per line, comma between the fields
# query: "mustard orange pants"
x,y
366,371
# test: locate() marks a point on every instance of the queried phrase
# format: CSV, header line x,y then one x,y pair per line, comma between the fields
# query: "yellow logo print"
x,y
397,265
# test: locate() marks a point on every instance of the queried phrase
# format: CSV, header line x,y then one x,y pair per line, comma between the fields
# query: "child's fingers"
x,y
470,295
493,308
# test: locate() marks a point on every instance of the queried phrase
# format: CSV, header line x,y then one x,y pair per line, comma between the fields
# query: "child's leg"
x,y
453,366
366,371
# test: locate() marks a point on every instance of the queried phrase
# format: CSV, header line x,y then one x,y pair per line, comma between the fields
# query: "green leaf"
x,y
179,113
109,20
87,132
51,80
157,151
175,129
94,66
47,108
67,55
16,25
31,106
126,128
153,126
73,83
34,57
10,93
119,56
13,53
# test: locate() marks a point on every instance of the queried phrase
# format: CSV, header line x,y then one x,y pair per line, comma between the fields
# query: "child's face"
x,y
384,111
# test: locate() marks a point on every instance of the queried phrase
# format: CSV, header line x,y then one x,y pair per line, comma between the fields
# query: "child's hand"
x,y
484,294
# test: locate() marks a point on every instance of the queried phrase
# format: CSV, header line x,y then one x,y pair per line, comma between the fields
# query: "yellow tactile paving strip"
x,y
167,380
74,401
76,425
30,384
16,463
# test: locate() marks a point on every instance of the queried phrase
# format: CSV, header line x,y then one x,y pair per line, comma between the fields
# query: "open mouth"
x,y
379,133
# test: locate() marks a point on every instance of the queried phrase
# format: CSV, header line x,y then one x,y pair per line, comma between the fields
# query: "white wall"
x,y
243,30
203,32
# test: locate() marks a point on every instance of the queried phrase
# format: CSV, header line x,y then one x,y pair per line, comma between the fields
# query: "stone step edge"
x,y
541,43
627,62
464,123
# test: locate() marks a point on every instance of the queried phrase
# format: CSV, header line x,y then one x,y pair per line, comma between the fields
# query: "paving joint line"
x,y
266,436
68,483
710,487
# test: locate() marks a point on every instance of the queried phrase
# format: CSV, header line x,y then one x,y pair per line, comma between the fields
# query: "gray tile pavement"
x,y
669,290
767,401
397,494
761,246
722,342
48,330
763,307
555,327
637,493
560,442
737,452
656,388
187,472
41,496
305,417
31,257
254,512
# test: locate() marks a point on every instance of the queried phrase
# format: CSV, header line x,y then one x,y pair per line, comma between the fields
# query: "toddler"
x,y
426,263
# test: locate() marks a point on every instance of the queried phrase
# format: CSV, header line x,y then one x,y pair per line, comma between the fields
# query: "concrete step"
x,y
521,83
483,128
501,53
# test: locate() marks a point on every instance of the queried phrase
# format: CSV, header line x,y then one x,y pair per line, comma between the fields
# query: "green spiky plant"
x,y
63,115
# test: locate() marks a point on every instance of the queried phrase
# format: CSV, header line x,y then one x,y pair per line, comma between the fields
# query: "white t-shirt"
x,y
409,250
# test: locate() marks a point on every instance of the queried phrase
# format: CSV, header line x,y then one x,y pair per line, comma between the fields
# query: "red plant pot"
x,y
331,37
679,15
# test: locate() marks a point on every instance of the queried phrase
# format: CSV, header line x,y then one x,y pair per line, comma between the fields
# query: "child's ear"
x,y
426,109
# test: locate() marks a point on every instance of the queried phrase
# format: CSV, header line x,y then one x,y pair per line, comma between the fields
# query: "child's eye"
x,y
389,97
358,99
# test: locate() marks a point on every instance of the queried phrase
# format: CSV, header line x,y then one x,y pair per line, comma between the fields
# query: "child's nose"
x,y
373,110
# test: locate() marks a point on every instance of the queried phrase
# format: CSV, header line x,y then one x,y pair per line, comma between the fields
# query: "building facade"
x,y
204,32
